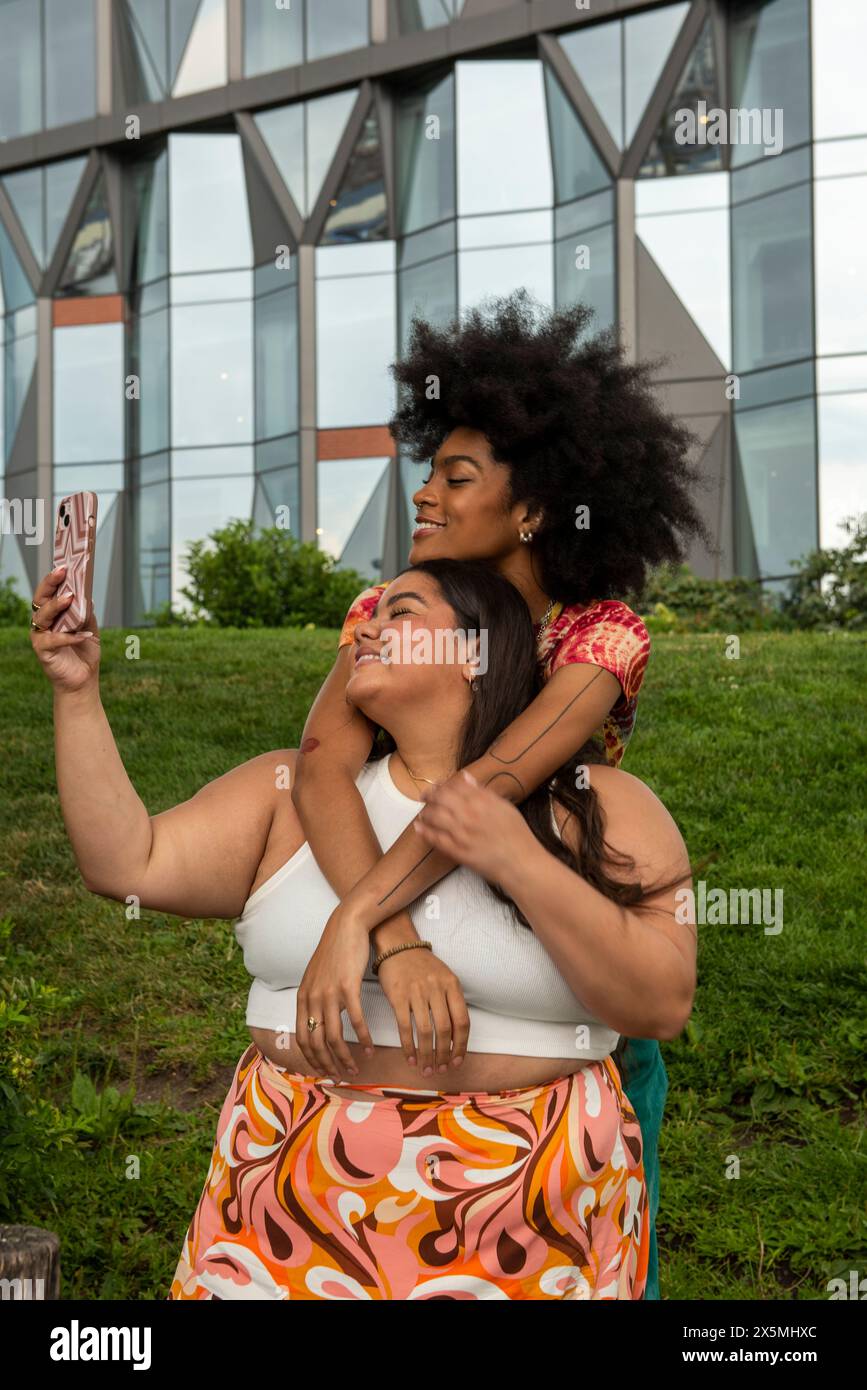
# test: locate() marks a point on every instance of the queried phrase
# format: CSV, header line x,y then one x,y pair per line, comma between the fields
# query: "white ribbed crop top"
x,y
518,1002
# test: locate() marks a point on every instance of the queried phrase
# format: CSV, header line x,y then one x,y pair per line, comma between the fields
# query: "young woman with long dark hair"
x,y
550,460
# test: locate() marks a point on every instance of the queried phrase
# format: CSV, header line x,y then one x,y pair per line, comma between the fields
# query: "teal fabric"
x,y
645,1082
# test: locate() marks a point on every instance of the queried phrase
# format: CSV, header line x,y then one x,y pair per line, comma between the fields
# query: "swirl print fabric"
x,y
535,1193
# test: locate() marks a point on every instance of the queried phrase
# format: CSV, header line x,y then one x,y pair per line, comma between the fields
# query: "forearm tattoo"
x,y
511,775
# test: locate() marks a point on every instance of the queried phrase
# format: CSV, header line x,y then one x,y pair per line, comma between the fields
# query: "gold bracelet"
x,y
407,946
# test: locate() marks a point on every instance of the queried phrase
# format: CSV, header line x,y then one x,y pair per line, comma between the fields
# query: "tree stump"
x,y
29,1263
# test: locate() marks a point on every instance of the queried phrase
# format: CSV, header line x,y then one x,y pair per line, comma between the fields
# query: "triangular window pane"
x,y
61,184
698,82
315,126
26,194
359,211
89,267
345,487
204,64
17,290
648,40
182,16
326,122
146,20
578,168
282,129
595,53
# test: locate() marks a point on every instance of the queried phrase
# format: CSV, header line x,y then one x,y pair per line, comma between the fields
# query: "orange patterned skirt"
x,y
535,1193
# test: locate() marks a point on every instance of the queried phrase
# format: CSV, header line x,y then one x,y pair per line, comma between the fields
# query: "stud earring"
x,y
526,536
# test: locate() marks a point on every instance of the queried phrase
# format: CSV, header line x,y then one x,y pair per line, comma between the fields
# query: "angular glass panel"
x,y
687,240
424,246
595,52
19,359
88,393
344,487
326,119
146,21
775,385
842,431
20,69
359,212
26,191
149,361
584,274
336,27
583,214
282,129
209,224
204,64
578,168
150,470
355,342
151,528
775,493
699,82
61,183
89,266
70,61
841,264
101,478
414,15
181,15
273,37
429,290
276,331
770,175
199,507
426,156
772,279
769,46
647,41
504,162
502,270
839,32
302,139
16,287
212,463
363,550
212,374
278,487
146,190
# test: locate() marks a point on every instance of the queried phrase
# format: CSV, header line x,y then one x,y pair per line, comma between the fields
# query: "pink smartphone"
x,y
74,545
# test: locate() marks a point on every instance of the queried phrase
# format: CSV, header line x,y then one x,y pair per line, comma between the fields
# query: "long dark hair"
x,y
482,599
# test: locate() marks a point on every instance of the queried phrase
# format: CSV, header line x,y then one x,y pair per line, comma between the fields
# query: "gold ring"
x,y
311,1024
35,606
36,626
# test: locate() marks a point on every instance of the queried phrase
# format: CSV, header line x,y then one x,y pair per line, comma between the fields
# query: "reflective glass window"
x,y
149,416
276,329
769,46
151,511
20,68
212,377
647,42
17,290
585,273
426,156
578,168
841,264
344,490
504,162
209,223
775,492
359,211
500,270
199,507
355,344
430,290
414,15
273,37
88,393
772,279
839,44
842,431
27,195
70,61
89,266
336,27
225,462
668,152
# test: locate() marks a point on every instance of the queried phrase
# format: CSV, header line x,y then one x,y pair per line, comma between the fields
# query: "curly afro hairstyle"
x,y
576,423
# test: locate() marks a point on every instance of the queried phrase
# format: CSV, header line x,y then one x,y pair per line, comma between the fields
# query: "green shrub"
x,y
830,588
14,610
676,600
270,579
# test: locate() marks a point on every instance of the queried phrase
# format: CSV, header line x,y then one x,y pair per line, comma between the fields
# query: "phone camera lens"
x,y
66,521
62,510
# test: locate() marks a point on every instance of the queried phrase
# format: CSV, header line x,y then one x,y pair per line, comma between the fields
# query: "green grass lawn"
x,y
760,761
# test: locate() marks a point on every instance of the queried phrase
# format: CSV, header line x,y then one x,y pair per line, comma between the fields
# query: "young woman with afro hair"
x,y
549,458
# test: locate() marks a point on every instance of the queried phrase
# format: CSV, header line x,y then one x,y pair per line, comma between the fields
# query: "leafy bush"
x,y
14,610
830,588
238,579
676,600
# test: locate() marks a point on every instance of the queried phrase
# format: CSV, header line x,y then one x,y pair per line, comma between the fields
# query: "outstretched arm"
x,y
569,709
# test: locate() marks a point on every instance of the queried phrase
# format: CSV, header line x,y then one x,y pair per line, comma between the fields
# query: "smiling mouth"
x,y
367,656
424,524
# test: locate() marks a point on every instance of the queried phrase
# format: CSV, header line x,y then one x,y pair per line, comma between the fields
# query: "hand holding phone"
x,y
74,547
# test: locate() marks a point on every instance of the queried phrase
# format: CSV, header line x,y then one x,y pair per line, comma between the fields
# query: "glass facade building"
x,y
217,218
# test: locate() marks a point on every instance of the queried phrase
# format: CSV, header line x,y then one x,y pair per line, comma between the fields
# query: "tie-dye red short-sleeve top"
x,y
605,633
